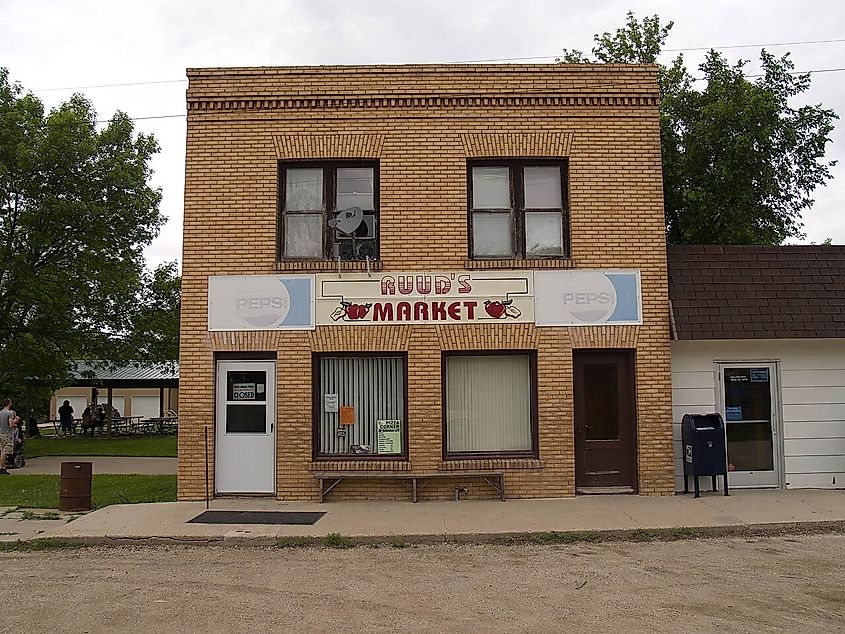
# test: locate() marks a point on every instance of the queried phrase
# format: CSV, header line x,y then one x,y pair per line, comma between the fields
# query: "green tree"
x,y
76,212
740,163
153,331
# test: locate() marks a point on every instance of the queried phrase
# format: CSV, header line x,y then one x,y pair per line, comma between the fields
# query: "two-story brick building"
x,y
421,270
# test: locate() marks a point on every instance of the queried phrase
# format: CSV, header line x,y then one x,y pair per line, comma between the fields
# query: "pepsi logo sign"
x,y
260,306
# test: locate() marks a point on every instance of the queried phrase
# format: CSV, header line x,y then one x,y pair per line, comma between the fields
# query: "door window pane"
x,y
304,235
543,233
750,446
304,189
491,235
246,386
369,392
246,419
542,187
355,188
491,188
601,401
488,404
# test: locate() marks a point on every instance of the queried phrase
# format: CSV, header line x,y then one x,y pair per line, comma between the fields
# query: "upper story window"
x,y
329,210
517,209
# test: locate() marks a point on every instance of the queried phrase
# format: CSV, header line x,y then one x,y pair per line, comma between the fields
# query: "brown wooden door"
x,y
605,419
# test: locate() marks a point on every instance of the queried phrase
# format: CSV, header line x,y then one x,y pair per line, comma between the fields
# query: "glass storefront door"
x,y
749,405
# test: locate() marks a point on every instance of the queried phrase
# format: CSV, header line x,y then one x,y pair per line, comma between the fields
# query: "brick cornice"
x,y
203,104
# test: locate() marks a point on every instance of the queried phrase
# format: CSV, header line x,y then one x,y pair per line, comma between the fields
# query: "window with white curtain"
x,y
489,404
361,406
517,209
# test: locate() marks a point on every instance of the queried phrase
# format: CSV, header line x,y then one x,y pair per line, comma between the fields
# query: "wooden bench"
x,y
414,482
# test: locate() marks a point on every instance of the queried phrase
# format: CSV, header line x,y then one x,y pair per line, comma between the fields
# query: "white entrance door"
x,y
245,448
748,402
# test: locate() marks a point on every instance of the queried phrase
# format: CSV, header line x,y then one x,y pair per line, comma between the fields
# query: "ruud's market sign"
x,y
425,298
547,298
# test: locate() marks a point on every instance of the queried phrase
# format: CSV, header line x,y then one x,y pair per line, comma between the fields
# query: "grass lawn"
x,y
80,445
42,491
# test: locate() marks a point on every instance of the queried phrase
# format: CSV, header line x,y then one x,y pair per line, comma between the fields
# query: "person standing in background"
x,y
32,426
66,417
7,447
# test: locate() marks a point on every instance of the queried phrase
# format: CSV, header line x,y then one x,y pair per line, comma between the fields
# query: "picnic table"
x,y
57,424
124,424
159,425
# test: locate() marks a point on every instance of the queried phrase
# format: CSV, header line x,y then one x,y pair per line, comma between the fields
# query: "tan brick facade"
x,y
422,124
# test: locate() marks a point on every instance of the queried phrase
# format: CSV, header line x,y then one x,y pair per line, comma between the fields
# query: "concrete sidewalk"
x,y
445,520
102,465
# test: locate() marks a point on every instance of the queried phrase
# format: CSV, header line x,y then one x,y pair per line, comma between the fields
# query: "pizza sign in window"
x,y
243,391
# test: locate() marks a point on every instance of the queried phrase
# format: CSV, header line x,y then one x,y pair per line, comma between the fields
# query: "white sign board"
x,y
587,298
261,302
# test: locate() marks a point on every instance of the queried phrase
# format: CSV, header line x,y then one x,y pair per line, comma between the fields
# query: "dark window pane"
x,y
747,394
601,401
246,386
750,446
246,419
367,228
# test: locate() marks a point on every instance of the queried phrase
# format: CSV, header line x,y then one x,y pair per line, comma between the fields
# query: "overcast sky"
x,y
58,47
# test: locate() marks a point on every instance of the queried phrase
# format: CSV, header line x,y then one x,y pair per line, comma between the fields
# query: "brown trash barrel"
x,y
75,486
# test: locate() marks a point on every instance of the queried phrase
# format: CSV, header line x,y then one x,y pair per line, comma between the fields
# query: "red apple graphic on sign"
x,y
496,309
357,311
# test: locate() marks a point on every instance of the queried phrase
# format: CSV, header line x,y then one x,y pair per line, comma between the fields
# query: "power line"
x,y
665,50
133,83
477,61
174,116
707,48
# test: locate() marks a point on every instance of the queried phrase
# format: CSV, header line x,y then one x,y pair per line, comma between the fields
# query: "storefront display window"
x,y
360,406
489,404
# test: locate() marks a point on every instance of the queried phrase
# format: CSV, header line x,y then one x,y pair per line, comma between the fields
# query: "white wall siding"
x,y
812,396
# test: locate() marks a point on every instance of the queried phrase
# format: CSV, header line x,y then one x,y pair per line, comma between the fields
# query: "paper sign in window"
x,y
243,391
330,403
389,436
347,415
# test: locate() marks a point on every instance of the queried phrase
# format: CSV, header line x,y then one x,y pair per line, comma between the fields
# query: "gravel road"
x,y
794,584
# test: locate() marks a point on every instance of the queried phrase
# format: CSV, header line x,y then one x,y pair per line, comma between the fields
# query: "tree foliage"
x,y
740,162
153,332
76,212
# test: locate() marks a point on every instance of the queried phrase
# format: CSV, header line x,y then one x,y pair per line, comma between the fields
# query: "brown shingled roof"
x,y
757,292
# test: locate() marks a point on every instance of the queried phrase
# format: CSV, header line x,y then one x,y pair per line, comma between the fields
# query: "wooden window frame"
x,y
329,205
534,452
316,409
517,209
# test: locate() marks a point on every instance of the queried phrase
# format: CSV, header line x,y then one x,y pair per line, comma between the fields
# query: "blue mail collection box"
x,y
703,442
